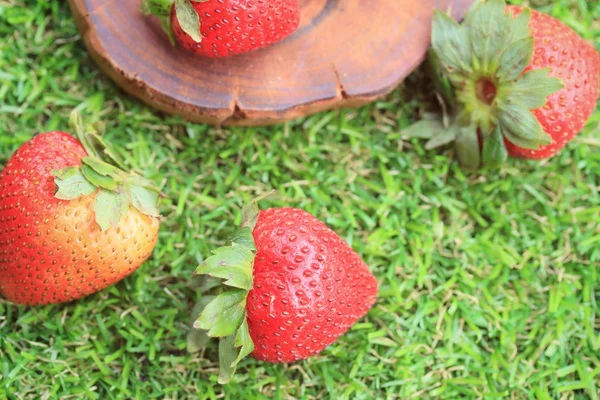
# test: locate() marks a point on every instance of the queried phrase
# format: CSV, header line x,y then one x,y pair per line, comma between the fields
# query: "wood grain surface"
x,y
345,53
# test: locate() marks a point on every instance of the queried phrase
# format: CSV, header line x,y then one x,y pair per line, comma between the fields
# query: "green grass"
x,y
490,286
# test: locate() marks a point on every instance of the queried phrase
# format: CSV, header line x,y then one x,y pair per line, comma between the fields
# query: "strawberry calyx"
x,y
102,172
186,15
483,61
224,317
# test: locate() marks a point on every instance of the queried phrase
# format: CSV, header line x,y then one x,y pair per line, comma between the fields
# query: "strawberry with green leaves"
x,y
221,28
293,286
72,221
520,83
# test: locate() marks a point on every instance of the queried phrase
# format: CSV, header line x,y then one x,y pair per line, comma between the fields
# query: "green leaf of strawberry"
x,y
98,180
232,350
143,199
103,168
157,7
494,152
228,354
467,148
243,237
450,43
515,59
521,127
424,129
110,207
244,342
487,26
188,19
531,89
443,137
519,27
72,184
232,263
225,316
100,172
197,339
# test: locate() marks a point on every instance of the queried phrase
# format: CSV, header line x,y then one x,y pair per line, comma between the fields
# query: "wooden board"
x,y
345,53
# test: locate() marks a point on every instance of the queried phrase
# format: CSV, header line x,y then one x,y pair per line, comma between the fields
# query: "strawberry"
x,y
577,64
520,83
294,288
71,224
221,28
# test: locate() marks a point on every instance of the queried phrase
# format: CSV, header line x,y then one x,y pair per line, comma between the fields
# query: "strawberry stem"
x,y
486,91
92,141
76,124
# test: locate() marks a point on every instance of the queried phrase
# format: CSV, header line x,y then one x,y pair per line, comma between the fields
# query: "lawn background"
x,y
489,284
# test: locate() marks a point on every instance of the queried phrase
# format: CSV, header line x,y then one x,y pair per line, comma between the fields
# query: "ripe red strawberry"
x,y
220,28
298,287
66,225
522,83
577,64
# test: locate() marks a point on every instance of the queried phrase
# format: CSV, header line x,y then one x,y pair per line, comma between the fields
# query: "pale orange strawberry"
x,y
70,223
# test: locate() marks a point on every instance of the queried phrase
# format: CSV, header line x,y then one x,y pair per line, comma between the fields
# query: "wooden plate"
x,y
345,53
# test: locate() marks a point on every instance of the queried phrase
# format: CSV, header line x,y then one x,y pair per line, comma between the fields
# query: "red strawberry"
x,y
577,64
66,225
220,28
524,83
298,287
